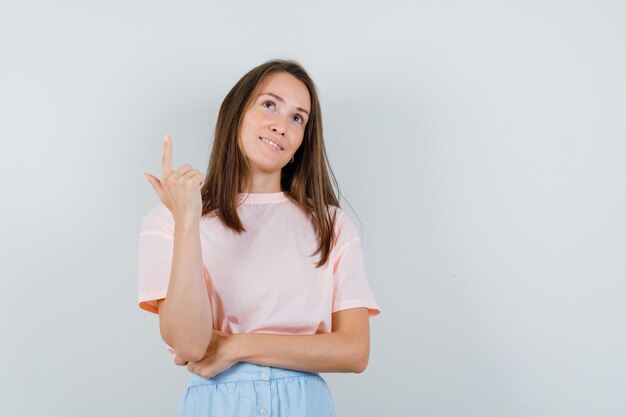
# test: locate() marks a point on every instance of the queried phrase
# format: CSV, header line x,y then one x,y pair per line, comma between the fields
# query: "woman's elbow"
x,y
190,352
191,349
361,361
360,366
187,350
191,355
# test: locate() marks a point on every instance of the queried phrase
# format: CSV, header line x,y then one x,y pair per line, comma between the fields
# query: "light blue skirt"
x,y
247,390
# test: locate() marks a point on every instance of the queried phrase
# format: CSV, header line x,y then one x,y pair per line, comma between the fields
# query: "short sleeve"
x,y
350,285
156,245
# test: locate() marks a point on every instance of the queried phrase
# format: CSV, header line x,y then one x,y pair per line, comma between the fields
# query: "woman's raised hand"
x,y
178,190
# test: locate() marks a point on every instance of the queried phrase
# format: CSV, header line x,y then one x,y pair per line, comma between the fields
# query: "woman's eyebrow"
x,y
282,101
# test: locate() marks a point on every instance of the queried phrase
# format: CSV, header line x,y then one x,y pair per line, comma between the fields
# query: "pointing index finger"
x,y
167,156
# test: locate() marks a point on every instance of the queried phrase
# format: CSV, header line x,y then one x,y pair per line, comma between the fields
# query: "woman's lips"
x,y
273,146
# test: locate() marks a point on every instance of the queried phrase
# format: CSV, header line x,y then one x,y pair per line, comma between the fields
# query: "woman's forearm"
x,y
185,317
327,352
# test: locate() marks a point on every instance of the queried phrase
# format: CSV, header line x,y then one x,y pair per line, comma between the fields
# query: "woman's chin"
x,y
266,166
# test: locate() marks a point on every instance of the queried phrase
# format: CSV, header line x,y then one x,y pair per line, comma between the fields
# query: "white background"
x,y
481,144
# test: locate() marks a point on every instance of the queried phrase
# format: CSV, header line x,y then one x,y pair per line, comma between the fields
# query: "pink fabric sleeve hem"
x,y
147,301
372,308
156,233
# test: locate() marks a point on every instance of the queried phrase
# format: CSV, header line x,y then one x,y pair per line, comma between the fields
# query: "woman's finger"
x,y
196,177
190,367
191,174
167,156
182,171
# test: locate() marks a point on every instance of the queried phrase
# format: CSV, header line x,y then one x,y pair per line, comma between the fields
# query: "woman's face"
x,y
278,113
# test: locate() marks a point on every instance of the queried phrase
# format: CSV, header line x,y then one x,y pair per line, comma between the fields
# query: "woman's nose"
x,y
280,125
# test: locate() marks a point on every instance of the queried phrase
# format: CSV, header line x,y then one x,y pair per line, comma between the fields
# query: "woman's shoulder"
x,y
340,214
344,226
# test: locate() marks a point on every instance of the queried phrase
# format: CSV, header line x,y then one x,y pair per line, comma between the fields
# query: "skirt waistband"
x,y
246,371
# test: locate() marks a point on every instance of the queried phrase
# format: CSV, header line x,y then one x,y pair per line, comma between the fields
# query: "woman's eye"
x,y
269,104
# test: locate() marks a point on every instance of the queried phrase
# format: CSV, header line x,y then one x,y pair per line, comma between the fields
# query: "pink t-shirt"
x,y
262,281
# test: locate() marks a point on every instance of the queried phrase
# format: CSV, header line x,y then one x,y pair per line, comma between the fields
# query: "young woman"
x,y
228,260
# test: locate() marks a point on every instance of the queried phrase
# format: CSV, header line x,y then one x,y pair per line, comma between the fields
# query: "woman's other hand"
x,y
220,356
178,190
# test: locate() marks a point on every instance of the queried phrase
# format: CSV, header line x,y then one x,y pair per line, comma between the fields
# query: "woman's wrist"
x,y
186,221
237,347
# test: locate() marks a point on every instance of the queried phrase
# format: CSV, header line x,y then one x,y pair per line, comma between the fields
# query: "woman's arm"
x,y
185,317
346,349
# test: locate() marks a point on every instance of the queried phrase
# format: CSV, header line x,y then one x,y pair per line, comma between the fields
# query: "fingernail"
x,y
145,174
167,137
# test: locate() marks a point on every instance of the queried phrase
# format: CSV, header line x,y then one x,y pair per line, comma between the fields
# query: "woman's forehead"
x,y
288,88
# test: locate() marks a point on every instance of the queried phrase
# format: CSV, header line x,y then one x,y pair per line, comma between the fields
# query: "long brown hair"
x,y
306,181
